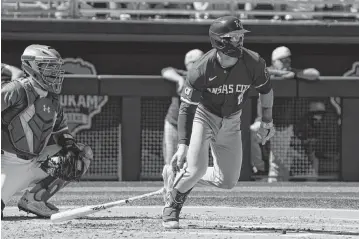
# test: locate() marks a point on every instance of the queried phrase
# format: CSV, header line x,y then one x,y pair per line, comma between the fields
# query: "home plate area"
x,y
202,221
201,217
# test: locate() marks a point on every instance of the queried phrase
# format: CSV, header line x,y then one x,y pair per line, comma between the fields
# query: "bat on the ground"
x,y
83,211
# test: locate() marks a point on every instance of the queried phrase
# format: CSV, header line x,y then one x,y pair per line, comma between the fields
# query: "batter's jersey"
x,y
223,91
172,113
28,120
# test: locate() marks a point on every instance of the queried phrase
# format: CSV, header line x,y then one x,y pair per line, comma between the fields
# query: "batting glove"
x,y
265,132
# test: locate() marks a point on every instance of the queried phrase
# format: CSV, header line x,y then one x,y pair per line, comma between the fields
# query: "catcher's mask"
x,y
43,64
227,34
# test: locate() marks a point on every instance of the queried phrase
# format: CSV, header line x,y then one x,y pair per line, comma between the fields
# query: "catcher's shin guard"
x,y
172,209
35,200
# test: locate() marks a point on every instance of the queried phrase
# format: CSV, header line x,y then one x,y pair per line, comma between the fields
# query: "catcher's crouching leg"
x,y
36,200
62,168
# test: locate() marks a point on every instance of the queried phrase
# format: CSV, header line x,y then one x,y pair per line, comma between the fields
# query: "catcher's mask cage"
x,y
44,64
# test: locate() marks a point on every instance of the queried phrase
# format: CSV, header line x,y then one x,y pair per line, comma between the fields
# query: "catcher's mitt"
x,y
69,165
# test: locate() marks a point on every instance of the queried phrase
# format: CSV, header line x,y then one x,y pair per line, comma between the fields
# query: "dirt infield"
x,y
251,210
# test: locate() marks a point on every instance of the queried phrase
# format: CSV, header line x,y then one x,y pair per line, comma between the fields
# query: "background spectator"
x,y
279,153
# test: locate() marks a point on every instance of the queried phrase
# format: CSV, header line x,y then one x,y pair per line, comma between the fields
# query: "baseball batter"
x,y
215,91
30,115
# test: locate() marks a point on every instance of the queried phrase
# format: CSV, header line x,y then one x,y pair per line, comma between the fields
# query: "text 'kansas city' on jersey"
x,y
223,91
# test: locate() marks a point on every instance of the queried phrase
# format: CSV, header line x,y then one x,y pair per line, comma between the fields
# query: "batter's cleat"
x,y
28,204
168,176
172,209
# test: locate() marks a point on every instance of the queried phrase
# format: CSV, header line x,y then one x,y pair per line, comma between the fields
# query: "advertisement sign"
x,y
80,109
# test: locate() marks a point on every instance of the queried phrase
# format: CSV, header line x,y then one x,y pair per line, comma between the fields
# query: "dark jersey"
x,y
172,113
223,91
27,119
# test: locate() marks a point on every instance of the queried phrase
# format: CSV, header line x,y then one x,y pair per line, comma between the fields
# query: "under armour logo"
x,y
47,109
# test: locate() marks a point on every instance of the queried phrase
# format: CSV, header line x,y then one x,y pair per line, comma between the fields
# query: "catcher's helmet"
x,y
227,34
43,64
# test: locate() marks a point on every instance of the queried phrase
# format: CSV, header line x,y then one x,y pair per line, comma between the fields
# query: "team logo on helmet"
x,y
238,24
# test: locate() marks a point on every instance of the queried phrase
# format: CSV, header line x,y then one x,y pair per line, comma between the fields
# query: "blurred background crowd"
x,y
146,10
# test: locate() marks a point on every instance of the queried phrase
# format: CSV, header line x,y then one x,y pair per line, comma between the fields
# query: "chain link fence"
x,y
307,143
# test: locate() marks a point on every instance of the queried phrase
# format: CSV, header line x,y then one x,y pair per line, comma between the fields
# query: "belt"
x,y
15,155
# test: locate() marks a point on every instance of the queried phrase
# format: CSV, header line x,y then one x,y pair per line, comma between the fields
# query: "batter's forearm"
x,y
185,122
267,106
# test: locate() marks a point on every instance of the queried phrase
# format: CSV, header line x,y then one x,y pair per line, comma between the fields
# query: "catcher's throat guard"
x,y
69,165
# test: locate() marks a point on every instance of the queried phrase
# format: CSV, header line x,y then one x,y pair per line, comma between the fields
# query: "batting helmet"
x,y
227,35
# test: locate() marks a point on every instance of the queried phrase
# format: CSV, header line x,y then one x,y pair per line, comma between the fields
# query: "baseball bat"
x,y
83,211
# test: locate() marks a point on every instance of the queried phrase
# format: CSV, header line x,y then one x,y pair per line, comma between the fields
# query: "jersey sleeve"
x,y
178,71
12,94
193,88
262,81
61,122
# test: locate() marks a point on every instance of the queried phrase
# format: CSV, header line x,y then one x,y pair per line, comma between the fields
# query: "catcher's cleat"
x,y
168,176
172,209
29,204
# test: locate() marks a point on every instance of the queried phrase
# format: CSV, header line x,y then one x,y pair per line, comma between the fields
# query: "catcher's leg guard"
x,y
172,209
35,200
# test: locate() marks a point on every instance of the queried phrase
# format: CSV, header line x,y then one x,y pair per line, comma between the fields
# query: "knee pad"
x,y
47,187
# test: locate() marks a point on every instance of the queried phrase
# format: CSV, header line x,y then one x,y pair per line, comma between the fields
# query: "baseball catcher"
x,y
213,97
31,117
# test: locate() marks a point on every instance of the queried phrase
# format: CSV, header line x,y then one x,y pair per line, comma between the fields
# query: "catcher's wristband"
x,y
267,125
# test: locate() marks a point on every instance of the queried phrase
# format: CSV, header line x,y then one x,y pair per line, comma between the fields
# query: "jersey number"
x,y
240,98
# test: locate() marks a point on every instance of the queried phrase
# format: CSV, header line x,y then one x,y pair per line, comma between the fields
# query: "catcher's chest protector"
x,y
30,129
